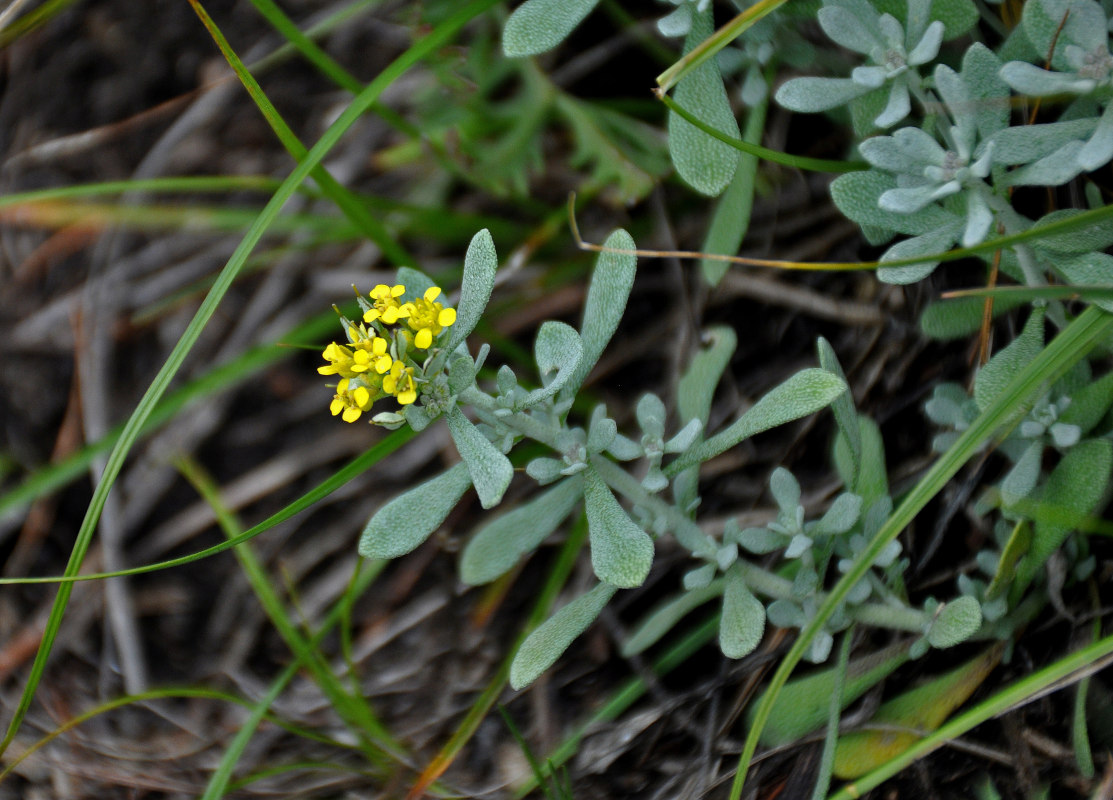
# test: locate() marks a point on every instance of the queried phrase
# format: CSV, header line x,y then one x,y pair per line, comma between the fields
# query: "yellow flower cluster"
x,y
374,363
425,317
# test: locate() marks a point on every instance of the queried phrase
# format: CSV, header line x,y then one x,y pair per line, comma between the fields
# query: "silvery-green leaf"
x,y
625,449
506,380
540,25
743,621
761,541
621,552
480,263
908,199
928,47
699,577
1024,144
994,376
1022,478
417,417
602,430
1088,269
545,470
903,149
810,95
558,348
490,470
959,318
892,31
415,281
703,162
872,77
1089,404
978,219
1053,170
845,29
820,648
754,91
868,478
1064,435
799,545
461,373
957,622
952,89
606,301
928,244
409,519
545,645
1094,238
651,415
841,516
496,546
678,23
685,437
990,96
804,393
1072,490
664,617
785,490
1053,24
1099,149
897,108
726,555
857,195
731,219
843,407
1028,79
705,369
786,614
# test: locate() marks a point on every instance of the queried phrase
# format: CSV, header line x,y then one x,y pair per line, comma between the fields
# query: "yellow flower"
x,y
351,400
428,318
386,306
364,354
400,383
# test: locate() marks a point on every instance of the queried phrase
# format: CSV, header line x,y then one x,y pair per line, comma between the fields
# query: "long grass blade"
x,y
439,36
352,208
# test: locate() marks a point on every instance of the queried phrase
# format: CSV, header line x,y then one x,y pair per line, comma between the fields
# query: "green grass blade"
x,y
436,39
52,477
355,467
352,208
325,63
777,157
1067,349
160,694
352,707
1063,672
716,42
183,184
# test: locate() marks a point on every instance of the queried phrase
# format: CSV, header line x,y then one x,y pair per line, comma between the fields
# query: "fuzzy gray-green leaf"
x,y
496,547
408,520
480,264
540,25
606,301
995,376
804,393
558,348
1073,490
957,622
705,163
857,195
1089,404
621,552
743,621
490,469
545,645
